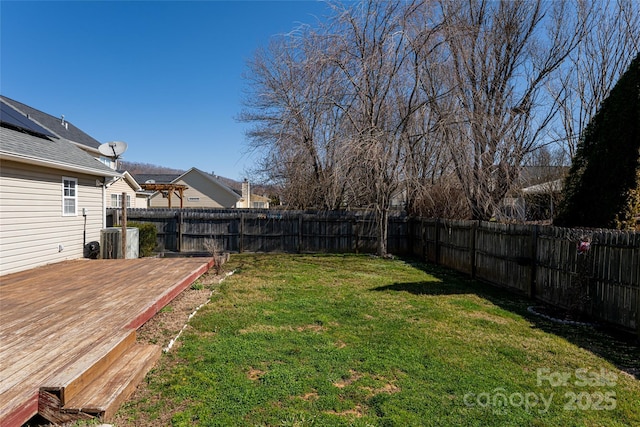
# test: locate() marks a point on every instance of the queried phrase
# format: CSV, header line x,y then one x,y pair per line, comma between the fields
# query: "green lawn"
x,y
354,340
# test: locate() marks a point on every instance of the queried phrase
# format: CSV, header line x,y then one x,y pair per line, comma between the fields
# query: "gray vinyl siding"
x,y
31,221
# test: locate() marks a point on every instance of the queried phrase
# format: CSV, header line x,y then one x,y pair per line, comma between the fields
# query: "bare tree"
x,y
379,101
294,124
497,56
439,100
611,40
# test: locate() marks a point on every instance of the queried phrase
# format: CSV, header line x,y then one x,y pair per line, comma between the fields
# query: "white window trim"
x,y
118,203
74,197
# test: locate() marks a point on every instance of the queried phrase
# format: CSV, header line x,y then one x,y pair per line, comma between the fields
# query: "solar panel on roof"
x,y
17,120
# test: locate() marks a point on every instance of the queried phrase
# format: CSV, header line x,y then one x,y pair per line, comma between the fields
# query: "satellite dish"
x,y
113,149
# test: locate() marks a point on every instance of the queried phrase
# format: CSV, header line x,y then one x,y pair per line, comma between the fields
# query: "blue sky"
x,y
163,76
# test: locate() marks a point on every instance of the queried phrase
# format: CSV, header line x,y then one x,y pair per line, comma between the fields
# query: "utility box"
x,y
111,243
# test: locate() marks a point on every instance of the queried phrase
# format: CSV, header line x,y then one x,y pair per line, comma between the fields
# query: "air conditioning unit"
x,y
111,243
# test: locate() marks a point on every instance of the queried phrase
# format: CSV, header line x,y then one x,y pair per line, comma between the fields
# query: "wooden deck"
x,y
60,321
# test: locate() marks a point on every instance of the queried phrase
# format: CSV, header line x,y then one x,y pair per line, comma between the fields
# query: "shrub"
x,y
147,236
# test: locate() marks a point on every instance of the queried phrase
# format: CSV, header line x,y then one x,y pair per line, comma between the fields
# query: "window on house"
x,y
69,196
258,205
116,201
106,161
193,199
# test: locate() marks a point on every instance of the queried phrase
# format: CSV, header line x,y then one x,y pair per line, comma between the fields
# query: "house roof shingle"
x,y
54,124
18,142
57,153
157,178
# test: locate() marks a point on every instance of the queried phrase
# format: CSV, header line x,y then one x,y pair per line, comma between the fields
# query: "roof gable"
x,y
131,181
210,178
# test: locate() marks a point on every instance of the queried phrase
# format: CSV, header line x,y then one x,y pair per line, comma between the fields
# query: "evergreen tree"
x,y
603,185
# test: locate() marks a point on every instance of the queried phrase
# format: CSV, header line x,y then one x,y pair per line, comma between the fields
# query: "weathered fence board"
x,y
542,262
455,243
503,255
190,230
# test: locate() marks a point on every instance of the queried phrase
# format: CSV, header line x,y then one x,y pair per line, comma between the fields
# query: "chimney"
x,y
246,193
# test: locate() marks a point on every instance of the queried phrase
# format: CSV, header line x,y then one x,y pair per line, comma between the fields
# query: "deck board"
x,y
53,315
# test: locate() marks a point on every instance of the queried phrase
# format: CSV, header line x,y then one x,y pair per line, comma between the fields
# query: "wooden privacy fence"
x,y
542,262
237,230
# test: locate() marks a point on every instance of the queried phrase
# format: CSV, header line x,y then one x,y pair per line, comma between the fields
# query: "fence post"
x,y
356,232
300,232
241,248
636,246
423,239
123,242
179,226
437,241
474,229
534,261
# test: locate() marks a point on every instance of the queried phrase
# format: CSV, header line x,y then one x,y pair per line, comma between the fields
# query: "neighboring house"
x,y
136,196
52,198
536,199
192,189
249,200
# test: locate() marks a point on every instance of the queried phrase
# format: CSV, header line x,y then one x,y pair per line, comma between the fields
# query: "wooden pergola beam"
x,y
166,190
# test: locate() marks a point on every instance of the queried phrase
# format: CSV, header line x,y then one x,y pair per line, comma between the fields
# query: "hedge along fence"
x,y
542,262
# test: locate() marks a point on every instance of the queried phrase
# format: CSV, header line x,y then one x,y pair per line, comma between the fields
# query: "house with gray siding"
x,y
52,191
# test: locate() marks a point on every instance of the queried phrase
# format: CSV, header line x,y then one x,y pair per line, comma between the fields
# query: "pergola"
x,y
167,190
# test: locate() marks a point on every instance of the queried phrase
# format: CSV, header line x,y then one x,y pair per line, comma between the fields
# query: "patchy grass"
x,y
354,340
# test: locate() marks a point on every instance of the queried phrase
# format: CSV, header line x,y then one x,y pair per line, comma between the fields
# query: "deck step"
x,y
91,363
106,393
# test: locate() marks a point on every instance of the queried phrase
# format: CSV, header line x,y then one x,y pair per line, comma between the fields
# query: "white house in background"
x,y
52,197
135,195
538,193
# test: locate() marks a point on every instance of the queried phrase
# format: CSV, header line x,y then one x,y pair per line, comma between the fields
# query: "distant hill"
x,y
136,168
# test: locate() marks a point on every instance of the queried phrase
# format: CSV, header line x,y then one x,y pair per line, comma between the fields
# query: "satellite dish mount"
x,y
113,149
